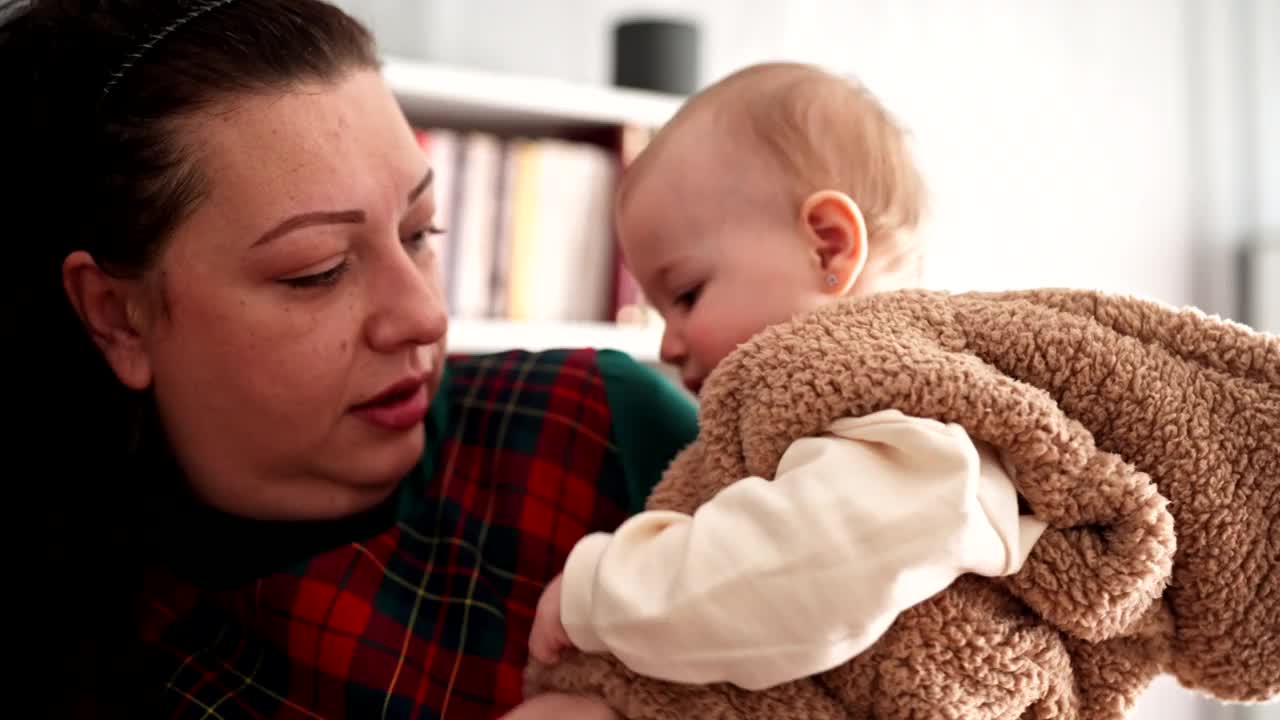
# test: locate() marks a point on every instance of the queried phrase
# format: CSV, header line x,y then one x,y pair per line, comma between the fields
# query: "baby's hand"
x,y
549,641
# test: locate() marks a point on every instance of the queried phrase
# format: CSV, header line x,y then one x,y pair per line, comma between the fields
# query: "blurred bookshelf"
x,y
513,104
525,171
488,336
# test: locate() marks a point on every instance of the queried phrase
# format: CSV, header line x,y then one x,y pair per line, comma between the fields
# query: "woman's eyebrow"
x,y
308,219
333,217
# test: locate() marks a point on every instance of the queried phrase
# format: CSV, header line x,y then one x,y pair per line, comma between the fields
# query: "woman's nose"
x,y
410,308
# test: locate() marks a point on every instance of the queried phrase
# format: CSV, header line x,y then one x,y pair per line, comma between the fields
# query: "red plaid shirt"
x,y
420,608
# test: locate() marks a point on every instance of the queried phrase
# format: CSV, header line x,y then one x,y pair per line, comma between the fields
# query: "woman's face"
x,y
301,323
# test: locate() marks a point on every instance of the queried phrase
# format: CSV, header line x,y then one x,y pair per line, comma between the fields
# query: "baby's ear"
x,y
833,223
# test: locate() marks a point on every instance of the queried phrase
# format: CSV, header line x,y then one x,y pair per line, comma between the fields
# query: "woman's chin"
x,y
385,462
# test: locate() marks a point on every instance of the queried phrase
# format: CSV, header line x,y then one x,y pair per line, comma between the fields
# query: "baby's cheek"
x,y
711,347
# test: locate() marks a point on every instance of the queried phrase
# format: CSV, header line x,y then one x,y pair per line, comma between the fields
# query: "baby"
x,y
773,192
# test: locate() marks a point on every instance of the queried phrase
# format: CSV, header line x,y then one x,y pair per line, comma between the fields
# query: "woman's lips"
x,y
400,408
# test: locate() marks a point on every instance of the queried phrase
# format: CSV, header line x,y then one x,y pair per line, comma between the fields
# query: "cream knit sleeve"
x,y
771,581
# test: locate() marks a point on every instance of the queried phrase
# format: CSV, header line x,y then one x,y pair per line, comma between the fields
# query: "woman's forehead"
x,y
306,143
338,147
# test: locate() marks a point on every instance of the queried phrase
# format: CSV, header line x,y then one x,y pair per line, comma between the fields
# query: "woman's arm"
x,y
773,581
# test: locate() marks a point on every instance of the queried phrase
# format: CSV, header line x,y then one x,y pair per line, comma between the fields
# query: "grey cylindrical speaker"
x,y
656,54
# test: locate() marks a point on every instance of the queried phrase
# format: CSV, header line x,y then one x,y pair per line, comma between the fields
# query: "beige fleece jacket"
x,y
1146,436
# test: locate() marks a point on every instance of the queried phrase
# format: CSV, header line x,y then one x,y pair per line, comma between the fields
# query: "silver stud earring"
x,y
832,280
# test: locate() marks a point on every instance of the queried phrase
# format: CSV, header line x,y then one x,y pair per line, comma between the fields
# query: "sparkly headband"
x,y
200,8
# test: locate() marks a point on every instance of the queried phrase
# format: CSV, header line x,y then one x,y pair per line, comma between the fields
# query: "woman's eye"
x,y
418,240
320,279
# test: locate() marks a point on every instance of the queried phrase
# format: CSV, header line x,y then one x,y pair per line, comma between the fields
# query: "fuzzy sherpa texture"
x,y
1146,436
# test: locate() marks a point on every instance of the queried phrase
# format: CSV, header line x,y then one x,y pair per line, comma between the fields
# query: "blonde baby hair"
x,y
822,131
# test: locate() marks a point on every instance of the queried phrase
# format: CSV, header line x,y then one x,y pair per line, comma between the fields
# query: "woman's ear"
x,y
834,225
112,312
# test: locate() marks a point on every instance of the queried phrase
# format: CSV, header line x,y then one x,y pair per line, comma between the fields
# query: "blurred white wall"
x,y
1126,145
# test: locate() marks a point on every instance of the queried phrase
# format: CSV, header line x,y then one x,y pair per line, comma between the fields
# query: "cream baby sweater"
x,y
771,581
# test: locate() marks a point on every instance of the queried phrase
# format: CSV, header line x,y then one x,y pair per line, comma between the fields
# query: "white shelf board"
x,y
491,336
463,97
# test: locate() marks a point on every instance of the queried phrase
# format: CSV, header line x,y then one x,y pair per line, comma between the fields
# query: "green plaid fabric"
x,y
420,608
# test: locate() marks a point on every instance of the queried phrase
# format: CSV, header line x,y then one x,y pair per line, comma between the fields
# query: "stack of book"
x,y
529,227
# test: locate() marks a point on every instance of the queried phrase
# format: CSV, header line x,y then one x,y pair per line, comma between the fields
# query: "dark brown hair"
x,y
94,93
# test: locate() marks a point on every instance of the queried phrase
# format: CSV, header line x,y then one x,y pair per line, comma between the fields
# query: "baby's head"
x,y
771,192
